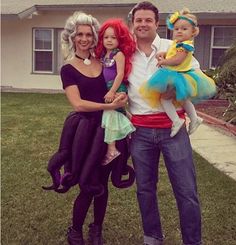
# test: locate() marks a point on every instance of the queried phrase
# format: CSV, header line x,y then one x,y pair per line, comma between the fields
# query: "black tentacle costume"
x,y
81,152
82,146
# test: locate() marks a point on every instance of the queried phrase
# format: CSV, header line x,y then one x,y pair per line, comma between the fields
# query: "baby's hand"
x,y
160,57
161,62
161,54
109,97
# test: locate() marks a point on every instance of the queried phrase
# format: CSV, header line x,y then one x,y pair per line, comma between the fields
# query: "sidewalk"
x,y
216,146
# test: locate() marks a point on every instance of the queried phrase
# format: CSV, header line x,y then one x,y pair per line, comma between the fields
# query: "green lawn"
x,y
31,126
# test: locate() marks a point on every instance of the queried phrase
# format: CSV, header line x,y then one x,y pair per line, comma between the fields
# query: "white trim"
x,y
212,35
59,54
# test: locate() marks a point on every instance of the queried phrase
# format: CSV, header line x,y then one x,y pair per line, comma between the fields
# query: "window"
x,y
222,38
162,31
47,56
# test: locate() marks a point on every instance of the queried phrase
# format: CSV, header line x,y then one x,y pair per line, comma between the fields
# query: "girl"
x,y
115,49
189,84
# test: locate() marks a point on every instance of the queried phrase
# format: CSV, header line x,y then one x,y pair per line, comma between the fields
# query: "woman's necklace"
x,y
87,61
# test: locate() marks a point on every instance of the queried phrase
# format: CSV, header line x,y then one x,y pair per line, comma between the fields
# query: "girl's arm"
x,y
120,67
175,60
80,105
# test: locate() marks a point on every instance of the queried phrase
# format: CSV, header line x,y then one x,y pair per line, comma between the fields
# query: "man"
x,y
152,137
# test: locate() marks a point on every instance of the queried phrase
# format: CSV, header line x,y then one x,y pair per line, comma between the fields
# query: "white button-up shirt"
x,y
142,69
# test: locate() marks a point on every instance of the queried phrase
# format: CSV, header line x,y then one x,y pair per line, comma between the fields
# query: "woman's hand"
x,y
120,100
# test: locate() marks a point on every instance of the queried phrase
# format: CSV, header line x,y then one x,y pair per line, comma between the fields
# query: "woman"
x,y
85,89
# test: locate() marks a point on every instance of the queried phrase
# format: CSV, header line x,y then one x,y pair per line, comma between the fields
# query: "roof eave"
x,y
9,16
71,7
27,13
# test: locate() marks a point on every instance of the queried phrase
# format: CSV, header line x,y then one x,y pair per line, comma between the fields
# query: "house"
x,y
30,34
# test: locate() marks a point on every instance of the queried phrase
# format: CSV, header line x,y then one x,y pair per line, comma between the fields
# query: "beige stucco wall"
x,y
16,45
16,48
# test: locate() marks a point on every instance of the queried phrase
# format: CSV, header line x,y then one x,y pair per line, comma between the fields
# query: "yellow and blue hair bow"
x,y
171,19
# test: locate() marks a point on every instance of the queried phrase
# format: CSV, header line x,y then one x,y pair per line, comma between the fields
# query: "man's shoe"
x,y
74,237
95,235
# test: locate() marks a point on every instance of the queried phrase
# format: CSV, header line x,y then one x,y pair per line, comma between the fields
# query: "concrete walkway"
x,y
216,146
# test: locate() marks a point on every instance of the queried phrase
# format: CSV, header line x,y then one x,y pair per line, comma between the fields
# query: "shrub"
x,y
225,77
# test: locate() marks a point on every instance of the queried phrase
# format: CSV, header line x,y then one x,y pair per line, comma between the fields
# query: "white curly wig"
x,y
69,32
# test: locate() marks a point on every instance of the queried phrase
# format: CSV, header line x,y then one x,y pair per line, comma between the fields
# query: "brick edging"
x,y
218,122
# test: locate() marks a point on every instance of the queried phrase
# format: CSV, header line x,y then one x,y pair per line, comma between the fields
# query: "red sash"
x,y
158,120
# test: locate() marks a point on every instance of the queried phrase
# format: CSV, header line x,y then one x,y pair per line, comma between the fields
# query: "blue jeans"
x,y
146,146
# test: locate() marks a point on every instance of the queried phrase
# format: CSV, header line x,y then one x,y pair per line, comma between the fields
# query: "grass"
x,y
31,127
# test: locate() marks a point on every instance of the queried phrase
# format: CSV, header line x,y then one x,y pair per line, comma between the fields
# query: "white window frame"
x,y
212,43
42,50
59,55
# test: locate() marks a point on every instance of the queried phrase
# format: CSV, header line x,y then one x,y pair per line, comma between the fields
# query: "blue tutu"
x,y
192,84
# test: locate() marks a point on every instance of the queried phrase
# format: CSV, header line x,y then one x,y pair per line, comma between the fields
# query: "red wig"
x,y
126,42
